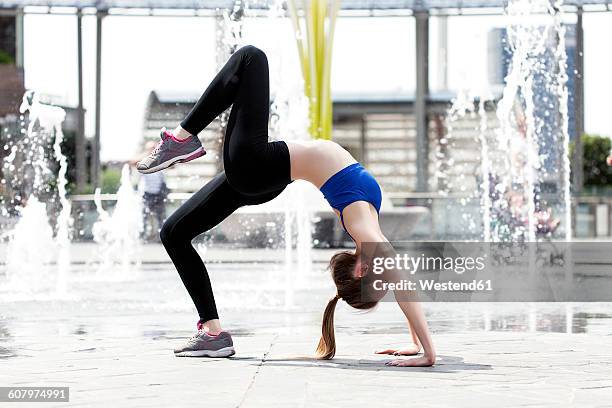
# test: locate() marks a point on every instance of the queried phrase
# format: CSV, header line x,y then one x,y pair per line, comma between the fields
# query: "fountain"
x,y
523,176
38,252
39,242
521,183
289,121
118,234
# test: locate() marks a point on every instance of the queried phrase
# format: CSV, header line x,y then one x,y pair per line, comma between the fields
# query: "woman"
x,y
256,171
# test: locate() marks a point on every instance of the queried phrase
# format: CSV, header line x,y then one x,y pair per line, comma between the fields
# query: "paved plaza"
x,y
110,341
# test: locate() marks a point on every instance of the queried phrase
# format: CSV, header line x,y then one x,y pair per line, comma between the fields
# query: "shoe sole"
x,y
224,352
199,152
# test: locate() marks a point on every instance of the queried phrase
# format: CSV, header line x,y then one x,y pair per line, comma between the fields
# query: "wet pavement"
x,y
108,335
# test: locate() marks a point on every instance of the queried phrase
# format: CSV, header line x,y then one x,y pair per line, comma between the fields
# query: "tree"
x,y
596,149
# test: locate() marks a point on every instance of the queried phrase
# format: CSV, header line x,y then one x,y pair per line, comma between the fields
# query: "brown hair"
x,y
342,266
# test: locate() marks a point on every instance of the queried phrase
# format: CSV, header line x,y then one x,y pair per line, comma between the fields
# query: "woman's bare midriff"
x,y
316,161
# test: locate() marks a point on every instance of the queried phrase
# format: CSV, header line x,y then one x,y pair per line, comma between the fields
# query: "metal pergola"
x,y
355,5
420,10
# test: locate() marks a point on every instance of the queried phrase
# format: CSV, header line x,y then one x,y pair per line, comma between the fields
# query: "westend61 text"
x,y
432,285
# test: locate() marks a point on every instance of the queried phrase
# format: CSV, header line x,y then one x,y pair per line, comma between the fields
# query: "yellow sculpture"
x,y
314,22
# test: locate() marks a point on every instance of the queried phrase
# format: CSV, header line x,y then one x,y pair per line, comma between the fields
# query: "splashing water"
x,y
524,185
534,124
31,250
288,121
452,167
33,246
118,234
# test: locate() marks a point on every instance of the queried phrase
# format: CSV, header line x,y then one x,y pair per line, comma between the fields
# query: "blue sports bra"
x,y
352,183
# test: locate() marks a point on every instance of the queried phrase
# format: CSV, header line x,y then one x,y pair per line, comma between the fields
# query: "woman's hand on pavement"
x,y
411,350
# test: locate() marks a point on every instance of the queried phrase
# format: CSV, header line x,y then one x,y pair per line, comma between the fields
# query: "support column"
x,y
422,95
363,140
442,52
577,168
95,148
19,38
80,152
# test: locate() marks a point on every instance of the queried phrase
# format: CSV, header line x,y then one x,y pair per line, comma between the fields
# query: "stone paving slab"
x,y
273,370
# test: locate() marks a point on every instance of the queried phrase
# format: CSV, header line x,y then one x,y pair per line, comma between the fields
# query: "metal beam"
x,y
95,148
422,94
81,173
577,170
489,10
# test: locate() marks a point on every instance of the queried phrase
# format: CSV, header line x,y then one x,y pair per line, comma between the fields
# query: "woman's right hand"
x,y
411,350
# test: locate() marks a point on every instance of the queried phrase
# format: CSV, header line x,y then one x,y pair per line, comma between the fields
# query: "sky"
x,y
371,55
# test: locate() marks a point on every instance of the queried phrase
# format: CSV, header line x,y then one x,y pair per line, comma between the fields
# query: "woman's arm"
x,y
415,339
361,221
416,318
411,307
409,350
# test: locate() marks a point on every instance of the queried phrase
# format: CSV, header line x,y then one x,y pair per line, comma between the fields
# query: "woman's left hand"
x,y
413,362
408,351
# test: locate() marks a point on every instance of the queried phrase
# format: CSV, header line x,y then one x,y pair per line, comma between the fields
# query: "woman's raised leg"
x,y
243,79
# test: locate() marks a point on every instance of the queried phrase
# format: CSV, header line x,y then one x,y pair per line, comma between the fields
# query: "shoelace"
x,y
200,327
156,149
196,335
199,332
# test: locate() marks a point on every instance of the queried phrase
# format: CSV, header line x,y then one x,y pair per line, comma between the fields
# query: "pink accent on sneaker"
x,y
176,139
201,327
170,135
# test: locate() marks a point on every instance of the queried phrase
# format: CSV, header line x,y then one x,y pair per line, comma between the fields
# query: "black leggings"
x,y
256,170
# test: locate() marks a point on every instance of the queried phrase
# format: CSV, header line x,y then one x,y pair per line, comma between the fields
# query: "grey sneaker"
x,y
170,151
204,345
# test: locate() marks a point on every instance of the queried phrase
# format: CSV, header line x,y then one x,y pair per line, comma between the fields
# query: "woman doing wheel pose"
x,y
256,171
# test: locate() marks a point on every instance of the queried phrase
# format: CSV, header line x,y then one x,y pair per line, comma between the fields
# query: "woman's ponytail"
x,y
327,345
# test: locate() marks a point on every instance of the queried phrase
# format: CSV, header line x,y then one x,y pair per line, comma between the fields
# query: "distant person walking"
x,y
154,193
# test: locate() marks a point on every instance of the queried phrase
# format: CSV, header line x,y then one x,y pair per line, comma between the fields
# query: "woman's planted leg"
x,y
204,210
